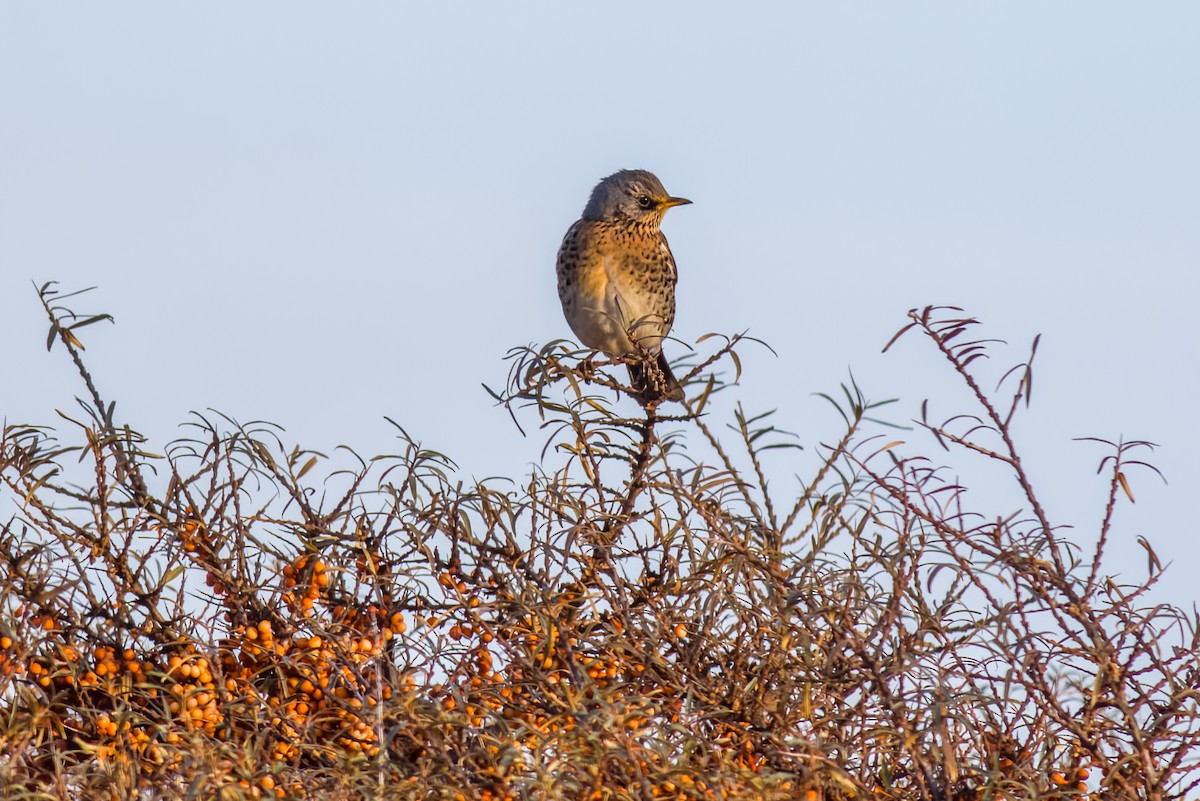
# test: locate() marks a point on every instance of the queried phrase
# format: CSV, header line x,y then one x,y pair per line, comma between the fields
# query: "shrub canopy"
x,y
645,615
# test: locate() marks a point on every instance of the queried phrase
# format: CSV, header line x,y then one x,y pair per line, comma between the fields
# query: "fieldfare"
x,y
616,279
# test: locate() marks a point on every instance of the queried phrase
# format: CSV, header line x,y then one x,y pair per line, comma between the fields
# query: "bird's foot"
x,y
587,369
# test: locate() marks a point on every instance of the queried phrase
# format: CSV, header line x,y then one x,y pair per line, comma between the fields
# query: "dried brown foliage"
x,y
642,617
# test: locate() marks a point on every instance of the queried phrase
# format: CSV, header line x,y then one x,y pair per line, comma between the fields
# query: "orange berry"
x,y
1058,778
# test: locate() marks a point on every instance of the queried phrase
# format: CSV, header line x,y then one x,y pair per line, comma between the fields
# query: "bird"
x,y
617,276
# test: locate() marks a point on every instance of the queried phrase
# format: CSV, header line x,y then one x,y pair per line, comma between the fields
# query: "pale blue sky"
x,y
321,214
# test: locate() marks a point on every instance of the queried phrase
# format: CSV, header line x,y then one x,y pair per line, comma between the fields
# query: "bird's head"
x,y
633,196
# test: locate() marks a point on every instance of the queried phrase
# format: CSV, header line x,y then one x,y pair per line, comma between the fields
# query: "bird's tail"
x,y
653,382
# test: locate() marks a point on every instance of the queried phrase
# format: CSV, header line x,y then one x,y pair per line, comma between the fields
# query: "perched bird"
x,y
616,279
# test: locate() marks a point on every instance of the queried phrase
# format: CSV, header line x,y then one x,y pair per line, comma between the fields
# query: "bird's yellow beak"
x,y
674,201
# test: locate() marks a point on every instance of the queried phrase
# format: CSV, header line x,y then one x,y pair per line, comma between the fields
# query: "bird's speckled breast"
x,y
615,279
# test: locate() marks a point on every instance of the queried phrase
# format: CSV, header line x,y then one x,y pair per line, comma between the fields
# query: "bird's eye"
x,y
646,202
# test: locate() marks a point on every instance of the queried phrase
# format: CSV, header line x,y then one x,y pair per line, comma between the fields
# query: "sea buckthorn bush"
x,y
652,613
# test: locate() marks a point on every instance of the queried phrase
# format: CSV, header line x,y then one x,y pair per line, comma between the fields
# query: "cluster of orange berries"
x,y
1070,781
1074,781
107,675
321,682
681,786
1066,785
266,787
193,692
496,795
371,617
668,783
110,665
123,742
604,671
110,669
477,677
325,687
11,662
329,684
542,642
188,533
304,580
546,653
